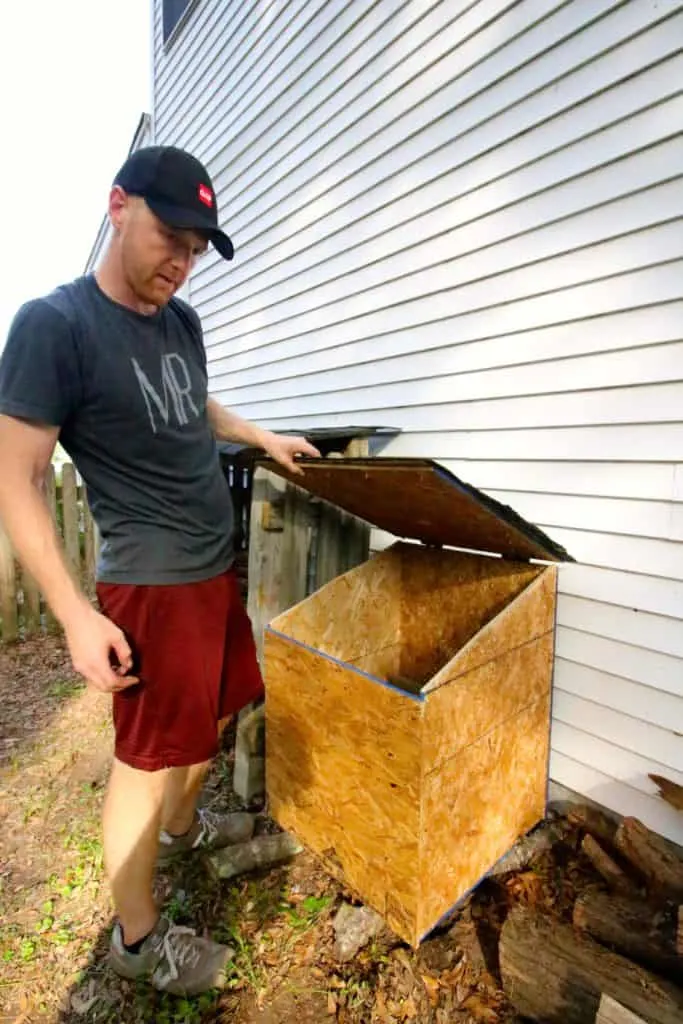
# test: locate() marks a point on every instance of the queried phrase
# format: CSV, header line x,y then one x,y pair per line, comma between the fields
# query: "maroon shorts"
x,y
197,664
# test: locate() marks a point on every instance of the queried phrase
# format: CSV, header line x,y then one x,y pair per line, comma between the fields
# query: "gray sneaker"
x,y
173,959
209,831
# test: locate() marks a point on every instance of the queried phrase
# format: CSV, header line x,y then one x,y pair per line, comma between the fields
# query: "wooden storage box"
x,y
408,701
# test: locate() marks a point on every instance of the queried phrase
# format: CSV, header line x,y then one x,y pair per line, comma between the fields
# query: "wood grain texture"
x,y
8,589
408,610
412,798
419,499
606,866
477,804
472,705
269,591
553,973
670,791
630,925
653,857
528,613
343,773
354,615
70,514
355,533
51,499
447,597
612,1012
89,552
31,605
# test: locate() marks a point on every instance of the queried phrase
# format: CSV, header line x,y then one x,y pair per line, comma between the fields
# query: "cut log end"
x,y
595,822
606,866
669,791
652,857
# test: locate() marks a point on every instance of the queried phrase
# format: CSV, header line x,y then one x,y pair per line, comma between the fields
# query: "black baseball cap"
x,y
177,188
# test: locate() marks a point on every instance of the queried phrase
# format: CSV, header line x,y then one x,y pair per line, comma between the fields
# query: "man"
x,y
113,366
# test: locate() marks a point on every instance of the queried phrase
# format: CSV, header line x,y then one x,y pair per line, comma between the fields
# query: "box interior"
x,y
401,616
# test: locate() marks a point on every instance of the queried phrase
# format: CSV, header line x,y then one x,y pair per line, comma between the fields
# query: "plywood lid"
x,y
419,499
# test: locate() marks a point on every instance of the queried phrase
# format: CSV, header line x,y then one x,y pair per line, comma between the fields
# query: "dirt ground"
x,y
55,749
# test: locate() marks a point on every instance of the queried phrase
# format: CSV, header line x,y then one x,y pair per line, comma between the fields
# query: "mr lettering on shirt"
x,y
172,403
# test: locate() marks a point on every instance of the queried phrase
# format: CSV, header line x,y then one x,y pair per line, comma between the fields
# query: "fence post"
x,y
356,533
20,598
8,583
31,603
89,545
70,518
51,498
266,526
279,541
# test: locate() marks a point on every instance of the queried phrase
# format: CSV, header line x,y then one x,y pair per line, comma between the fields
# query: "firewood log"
x,y
606,866
595,822
612,1012
642,932
553,973
669,791
653,857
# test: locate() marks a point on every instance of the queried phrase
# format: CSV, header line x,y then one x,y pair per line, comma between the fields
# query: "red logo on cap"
x,y
205,195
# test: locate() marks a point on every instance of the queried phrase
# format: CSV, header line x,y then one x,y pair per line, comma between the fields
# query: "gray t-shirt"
x,y
129,394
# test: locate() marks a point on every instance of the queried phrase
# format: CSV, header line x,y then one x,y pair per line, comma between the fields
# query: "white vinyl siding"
x,y
465,221
105,234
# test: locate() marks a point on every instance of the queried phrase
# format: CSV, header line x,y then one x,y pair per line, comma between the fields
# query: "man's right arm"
x,y
26,449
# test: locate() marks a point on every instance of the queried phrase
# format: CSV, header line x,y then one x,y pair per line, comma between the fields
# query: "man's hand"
x,y
92,638
283,449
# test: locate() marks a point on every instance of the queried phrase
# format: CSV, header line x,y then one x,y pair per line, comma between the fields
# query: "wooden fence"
x,y
286,542
23,611
297,543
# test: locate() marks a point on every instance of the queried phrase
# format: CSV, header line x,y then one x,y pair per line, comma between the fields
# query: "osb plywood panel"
x,y
386,664
457,715
417,498
353,615
529,615
477,804
446,598
343,772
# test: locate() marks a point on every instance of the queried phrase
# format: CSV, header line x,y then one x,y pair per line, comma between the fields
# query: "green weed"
x,y
66,688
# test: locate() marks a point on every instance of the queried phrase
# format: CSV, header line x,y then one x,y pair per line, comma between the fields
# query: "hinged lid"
x,y
419,499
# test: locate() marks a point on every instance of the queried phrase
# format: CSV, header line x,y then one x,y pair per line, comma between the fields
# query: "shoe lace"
x,y
209,823
181,948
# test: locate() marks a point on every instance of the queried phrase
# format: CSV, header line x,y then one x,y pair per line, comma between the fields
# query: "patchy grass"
x,y
65,688
57,915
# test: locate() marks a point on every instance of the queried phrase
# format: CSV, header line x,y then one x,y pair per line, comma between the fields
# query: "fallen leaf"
x,y
331,1004
480,1010
461,993
409,1009
380,1006
431,984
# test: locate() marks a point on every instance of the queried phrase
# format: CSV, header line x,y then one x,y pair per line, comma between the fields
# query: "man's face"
x,y
156,259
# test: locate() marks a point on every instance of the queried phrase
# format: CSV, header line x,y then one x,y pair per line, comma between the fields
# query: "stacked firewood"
x,y
620,961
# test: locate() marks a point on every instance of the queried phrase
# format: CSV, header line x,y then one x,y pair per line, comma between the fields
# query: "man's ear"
x,y
118,202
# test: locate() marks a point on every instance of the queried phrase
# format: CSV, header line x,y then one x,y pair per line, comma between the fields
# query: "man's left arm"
x,y
228,426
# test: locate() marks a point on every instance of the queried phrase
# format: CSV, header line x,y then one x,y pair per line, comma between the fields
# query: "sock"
x,y
135,947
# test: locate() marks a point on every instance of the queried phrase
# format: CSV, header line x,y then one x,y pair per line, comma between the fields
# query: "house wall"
x,y
142,137
464,220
